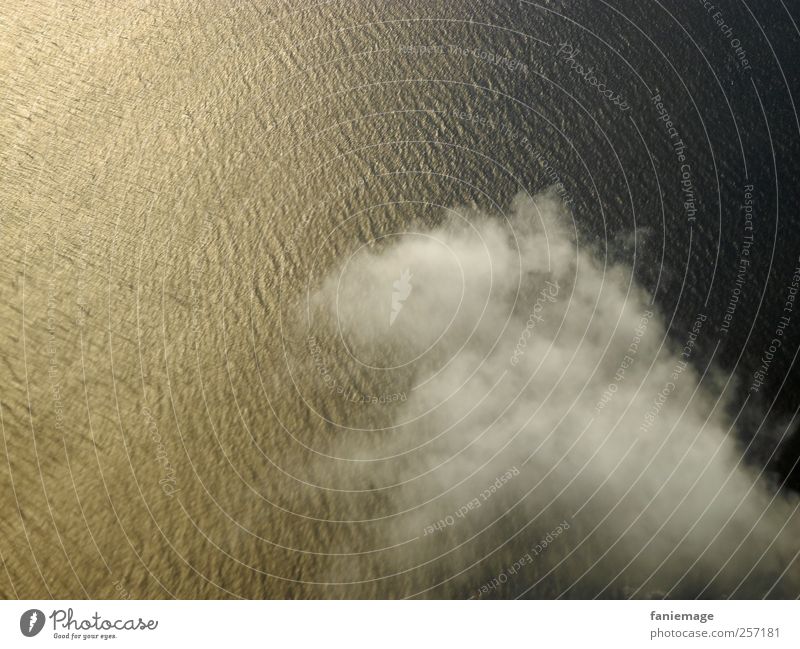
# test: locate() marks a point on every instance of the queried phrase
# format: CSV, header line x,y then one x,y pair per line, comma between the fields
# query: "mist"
x,y
525,353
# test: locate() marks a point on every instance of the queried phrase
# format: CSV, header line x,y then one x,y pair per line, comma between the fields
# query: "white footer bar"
x,y
385,624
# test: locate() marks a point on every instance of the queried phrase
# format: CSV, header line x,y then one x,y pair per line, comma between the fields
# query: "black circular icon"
x,y
31,622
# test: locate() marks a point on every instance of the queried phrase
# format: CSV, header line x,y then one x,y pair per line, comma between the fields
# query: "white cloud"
x,y
654,473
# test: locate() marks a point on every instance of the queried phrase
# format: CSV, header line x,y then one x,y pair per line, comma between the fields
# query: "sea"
x,y
184,182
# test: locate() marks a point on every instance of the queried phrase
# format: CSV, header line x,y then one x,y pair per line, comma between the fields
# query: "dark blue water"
x,y
726,79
